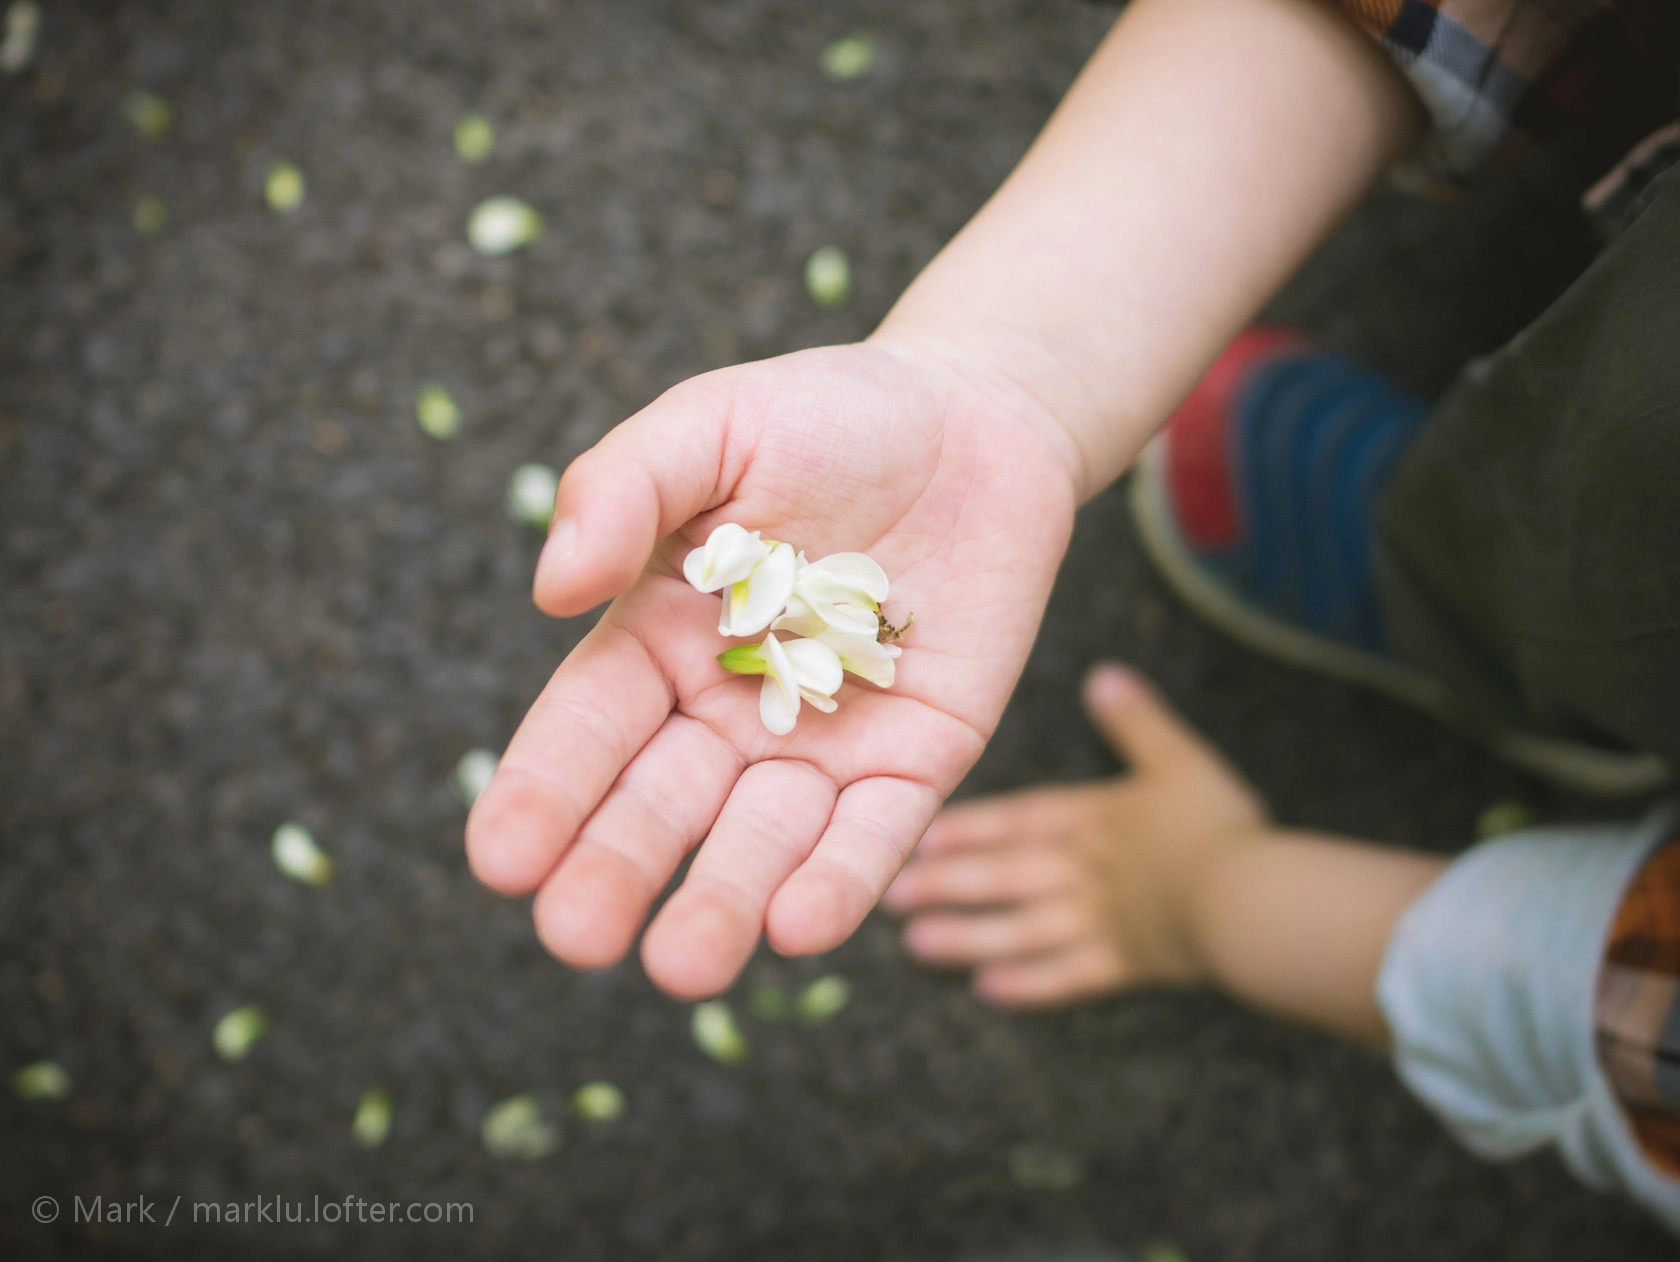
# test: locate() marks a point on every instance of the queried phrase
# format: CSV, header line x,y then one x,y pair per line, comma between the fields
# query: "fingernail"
x,y
562,542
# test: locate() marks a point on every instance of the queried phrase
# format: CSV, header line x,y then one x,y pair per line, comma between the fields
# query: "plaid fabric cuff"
x,y
1488,70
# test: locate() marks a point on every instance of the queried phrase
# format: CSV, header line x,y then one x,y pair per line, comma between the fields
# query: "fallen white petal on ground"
x,y
237,1033
716,1034
516,1129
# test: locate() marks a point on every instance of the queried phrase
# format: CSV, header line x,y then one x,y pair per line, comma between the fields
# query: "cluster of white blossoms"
x,y
830,610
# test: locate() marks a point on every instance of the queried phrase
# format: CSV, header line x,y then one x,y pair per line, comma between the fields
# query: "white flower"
x,y
756,577
862,655
843,591
800,670
728,556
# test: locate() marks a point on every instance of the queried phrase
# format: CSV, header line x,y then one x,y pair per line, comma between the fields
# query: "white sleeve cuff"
x,y
1488,987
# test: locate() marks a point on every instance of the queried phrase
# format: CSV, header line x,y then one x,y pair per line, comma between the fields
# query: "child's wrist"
x,y
1004,370
1205,897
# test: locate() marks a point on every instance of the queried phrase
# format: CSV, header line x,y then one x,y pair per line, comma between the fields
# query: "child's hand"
x,y
642,746
1058,894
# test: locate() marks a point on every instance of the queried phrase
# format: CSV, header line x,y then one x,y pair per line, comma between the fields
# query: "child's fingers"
x,y
876,823
1000,875
1082,971
977,938
601,706
1139,725
641,482
588,911
702,938
992,821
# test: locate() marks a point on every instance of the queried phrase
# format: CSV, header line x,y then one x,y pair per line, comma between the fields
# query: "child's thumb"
x,y
642,481
1137,724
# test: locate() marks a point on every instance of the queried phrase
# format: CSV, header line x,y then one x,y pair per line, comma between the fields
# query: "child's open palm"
x,y
642,747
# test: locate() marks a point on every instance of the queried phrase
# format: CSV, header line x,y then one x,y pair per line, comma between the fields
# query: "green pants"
x,y
1529,545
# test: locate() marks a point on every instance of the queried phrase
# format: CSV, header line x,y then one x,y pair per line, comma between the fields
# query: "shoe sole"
x,y
1568,764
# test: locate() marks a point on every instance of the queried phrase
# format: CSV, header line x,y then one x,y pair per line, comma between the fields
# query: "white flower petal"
x,y
816,667
501,225
774,710
863,655
284,188
716,1034
849,58
475,138
530,494
728,556
599,1101
778,699
852,619
237,1032
851,569
844,590
473,772
817,701
297,855
44,1080
373,1118
516,1129
823,998
750,606
828,277
800,618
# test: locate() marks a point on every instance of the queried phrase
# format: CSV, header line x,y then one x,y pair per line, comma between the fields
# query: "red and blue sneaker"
x,y
1257,502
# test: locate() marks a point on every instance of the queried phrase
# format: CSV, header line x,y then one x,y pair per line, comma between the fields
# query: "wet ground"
x,y
240,586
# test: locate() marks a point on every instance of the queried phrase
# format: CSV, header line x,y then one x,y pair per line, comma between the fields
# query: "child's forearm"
x,y
1205,150
1298,923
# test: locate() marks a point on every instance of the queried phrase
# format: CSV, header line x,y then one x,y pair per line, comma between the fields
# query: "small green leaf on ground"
x,y
44,1080
23,28
1040,1169
373,1118
237,1033
517,1130
502,225
150,114
770,1003
1509,816
599,1102
849,58
828,277
716,1033
1162,1251
150,215
473,773
436,411
298,856
823,999
283,188
475,139
530,494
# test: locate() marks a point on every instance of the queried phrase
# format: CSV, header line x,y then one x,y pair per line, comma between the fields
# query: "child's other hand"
x,y
1059,894
642,747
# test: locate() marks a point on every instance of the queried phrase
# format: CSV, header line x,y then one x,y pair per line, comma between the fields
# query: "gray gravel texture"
x,y
240,586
